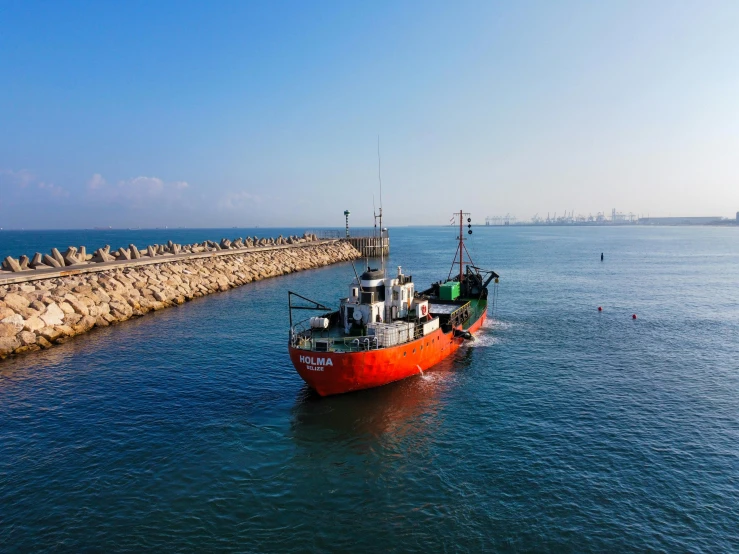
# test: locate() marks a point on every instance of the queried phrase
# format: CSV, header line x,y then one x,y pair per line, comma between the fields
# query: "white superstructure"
x,y
380,304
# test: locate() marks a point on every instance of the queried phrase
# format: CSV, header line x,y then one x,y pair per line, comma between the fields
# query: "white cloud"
x,y
52,189
140,200
20,178
24,182
96,182
137,191
238,200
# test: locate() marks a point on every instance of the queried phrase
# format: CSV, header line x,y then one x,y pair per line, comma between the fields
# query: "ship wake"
x,y
488,334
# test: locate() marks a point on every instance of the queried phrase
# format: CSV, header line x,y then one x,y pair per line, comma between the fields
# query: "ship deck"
x,y
335,340
477,307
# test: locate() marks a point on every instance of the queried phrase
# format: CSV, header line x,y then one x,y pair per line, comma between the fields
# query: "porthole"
x,y
404,354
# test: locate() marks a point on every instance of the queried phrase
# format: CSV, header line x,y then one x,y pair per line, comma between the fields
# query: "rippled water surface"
x,y
560,429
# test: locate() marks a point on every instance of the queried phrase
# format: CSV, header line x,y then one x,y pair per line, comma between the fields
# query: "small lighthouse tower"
x,y
346,214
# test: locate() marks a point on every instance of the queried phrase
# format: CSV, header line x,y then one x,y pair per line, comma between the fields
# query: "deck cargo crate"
x,y
449,291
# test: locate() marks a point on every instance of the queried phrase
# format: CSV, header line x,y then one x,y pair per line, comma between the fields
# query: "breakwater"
x,y
43,306
74,256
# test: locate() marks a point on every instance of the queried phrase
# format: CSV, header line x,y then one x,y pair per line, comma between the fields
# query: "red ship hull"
x,y
339,372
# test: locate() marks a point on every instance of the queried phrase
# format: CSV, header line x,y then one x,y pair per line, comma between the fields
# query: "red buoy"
x,y
633,316
600,309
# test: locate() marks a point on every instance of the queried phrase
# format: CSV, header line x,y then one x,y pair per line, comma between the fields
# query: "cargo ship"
x,y
385,330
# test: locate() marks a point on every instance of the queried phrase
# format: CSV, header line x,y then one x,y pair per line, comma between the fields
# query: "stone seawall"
x,y
75,257
47,310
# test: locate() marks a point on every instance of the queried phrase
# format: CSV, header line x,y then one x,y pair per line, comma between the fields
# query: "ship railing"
x,y
306,341
355,233
325,234
304,337
460,315
300,332
392,336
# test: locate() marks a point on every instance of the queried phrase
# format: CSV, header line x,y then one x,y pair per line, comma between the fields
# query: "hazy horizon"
x,y
305,228
240,114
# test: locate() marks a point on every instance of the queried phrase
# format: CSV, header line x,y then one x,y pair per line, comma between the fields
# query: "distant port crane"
x,y
506,219
569,218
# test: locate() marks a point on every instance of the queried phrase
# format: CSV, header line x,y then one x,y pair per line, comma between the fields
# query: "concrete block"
x,y
11,264
50,261
58,257
37,261
102,256
70,256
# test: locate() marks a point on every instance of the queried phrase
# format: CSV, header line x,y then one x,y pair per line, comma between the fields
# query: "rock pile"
x,y
43,312
77,257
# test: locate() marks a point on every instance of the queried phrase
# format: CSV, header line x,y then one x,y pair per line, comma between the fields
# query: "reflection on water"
x,y
395,408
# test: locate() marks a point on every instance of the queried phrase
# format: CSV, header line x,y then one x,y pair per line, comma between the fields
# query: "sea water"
x,y
560,428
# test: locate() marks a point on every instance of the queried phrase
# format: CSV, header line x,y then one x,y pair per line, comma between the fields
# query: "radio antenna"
x,y
379,171
379,178
374,212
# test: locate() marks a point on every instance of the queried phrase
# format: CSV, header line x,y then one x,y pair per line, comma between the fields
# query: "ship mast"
x,y
461,247
379,178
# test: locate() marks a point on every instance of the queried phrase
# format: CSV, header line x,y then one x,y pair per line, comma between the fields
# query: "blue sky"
x,y
241,114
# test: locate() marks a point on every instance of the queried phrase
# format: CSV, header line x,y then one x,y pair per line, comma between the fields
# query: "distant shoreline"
x,y
726,223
